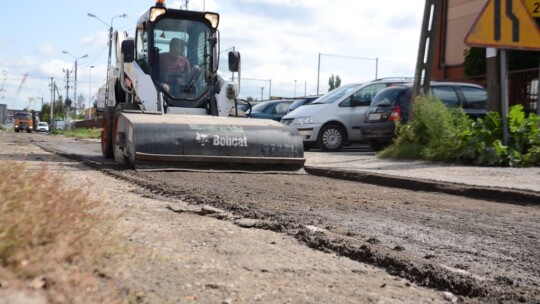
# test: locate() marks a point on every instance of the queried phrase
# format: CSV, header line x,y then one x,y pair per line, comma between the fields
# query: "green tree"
x,y
334,82
59,111
80,105
475,60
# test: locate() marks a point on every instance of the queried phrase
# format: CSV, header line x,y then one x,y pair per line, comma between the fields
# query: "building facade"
x,y
457,18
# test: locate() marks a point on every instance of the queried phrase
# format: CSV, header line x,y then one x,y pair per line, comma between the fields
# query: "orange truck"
x,y
23,121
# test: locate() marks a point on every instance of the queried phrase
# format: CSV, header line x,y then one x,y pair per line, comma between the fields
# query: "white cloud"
x,y
47,49
275,45
278,40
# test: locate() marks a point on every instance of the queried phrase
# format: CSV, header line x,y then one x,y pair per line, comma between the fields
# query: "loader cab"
x,y
185,78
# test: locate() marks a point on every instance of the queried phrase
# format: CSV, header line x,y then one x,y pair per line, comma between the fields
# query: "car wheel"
x,y
331,138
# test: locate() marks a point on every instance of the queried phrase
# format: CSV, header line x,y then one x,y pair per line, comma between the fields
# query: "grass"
x,y
54,239
79,133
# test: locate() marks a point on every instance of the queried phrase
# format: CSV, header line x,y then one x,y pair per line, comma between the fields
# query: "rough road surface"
x,y
220,237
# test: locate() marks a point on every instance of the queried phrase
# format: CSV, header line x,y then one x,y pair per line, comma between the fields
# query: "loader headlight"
x,y
213,18
156,12
303,120
231,91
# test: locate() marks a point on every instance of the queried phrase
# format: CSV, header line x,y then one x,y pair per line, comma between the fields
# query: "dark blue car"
x,y
302,102
271,109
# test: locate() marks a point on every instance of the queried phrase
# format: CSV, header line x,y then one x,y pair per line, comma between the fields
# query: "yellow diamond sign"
x,y
504,24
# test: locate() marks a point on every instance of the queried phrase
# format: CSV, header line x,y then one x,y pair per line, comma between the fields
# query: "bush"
x,y
484,140
434,134
439,133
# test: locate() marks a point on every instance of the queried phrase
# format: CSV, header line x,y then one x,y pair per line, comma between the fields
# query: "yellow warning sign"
x,y
534,7
504,24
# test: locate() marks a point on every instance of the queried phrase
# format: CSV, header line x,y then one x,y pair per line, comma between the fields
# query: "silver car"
x,y
335,119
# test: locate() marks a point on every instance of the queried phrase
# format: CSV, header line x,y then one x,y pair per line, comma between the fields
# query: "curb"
x,y
496,194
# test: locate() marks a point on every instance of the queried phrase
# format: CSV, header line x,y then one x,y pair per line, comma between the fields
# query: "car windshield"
x,y
42,124
297,103
388,97
337,94
23,116
260,107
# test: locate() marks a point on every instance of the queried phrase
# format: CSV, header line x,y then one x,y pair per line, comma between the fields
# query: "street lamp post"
x,y
319,65
294,88
90,94
75,80
110,26
269,88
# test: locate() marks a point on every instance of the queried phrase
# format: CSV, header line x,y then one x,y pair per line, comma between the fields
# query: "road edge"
x,y
496,194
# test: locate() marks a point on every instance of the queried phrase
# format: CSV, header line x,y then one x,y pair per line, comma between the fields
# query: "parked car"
x,y
333,120
244,106
304,101
271,109
42,127
393,104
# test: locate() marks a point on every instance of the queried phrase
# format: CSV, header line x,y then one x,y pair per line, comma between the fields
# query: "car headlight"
x,y
303,120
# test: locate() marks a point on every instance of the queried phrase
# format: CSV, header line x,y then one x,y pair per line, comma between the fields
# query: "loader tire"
x,y
107,133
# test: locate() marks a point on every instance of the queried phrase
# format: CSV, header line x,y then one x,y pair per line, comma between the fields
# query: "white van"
x,y
335,119
59,125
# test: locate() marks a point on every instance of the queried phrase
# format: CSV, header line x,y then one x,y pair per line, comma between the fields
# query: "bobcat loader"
x,y
190,120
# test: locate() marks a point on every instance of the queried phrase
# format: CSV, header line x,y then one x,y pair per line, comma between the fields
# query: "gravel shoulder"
x,y
179,252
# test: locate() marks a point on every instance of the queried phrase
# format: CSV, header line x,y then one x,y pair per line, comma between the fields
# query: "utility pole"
x,y
110,26
90,94
52,101
75,81
68,103
75,85
426,51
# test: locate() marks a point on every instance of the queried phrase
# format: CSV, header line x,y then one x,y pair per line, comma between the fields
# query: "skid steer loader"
x,y
154,115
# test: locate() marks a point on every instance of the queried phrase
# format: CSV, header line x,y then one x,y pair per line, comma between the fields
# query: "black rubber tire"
x,y
107,133
331,138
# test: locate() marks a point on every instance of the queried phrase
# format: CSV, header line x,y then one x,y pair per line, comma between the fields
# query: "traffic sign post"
x,y
534,9
507,24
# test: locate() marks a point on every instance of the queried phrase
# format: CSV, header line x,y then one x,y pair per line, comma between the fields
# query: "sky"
x,y
289,48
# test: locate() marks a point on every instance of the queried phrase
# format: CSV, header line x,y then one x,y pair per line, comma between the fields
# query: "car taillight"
x,y
396,114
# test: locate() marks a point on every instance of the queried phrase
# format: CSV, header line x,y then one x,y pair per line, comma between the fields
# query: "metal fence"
x,y
522,88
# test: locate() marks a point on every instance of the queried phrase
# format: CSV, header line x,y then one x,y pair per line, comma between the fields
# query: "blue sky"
x,y
279,40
